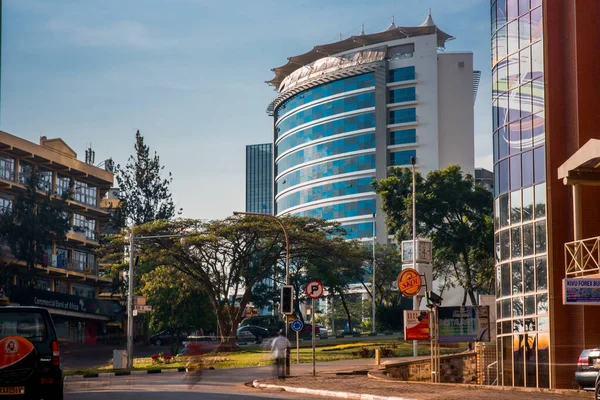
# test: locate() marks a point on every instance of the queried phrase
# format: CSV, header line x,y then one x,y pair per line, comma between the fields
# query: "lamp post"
x,y
373,286
287,269
132,239
413,161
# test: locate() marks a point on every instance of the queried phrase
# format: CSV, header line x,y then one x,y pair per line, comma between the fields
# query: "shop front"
x,y
76,319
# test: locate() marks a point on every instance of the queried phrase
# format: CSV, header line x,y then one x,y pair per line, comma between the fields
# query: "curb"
x,y
126,373
326,393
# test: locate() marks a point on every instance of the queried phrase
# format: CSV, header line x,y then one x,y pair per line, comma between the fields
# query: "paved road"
x,y
215,385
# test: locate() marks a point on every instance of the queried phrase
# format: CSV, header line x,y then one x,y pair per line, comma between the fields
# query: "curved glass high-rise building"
x,y
523,326
348,110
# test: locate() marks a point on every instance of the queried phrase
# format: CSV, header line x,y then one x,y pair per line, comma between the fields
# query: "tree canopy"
x,y
455,213
228,257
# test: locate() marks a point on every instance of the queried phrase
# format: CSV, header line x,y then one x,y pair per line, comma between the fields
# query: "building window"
x,y
85,226
402,116
7,168
86,194
61,286
403,94
403,51
63,184
402,74
84,262
45,180
25,172
403,137
5,205
81,290
43,284
399,158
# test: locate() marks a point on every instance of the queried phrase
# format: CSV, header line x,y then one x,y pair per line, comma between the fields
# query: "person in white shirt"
x,y
278,350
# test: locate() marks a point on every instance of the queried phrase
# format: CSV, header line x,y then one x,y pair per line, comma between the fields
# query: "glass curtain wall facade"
x,y
523,341
325,150
259,178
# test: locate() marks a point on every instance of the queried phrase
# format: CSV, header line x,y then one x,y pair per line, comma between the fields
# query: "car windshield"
x,y
30,325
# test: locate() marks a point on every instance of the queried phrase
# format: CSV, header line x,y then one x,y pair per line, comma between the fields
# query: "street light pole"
x,y
373,285
132,240
287,270
414,240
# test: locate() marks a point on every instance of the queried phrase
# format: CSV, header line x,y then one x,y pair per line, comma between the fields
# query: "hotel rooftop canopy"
x,y
356,42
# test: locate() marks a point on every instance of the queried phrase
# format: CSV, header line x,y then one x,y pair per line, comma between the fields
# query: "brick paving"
x,y
423,391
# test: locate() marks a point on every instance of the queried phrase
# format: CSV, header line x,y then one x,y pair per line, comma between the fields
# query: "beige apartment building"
x,y
69,281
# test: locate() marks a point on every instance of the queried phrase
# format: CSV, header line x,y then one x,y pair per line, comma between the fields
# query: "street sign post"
x,y
142,308
297,326
314,290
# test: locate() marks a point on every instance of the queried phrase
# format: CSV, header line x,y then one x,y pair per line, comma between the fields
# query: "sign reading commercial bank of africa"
x,y
581,291
464,324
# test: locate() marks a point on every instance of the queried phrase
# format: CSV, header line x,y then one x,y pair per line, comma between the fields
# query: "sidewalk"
x,y
364,385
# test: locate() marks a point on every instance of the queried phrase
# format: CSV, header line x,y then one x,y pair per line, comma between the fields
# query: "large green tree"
x,y
456,214
178,303
388,264
229,257
35,220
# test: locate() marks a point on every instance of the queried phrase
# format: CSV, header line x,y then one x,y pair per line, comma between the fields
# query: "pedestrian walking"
x,y
279,352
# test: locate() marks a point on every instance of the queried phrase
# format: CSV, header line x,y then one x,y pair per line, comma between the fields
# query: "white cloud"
x,y
486,162
131,34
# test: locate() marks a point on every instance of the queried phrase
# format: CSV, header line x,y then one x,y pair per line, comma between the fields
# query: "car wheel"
x,y
158,342
597,391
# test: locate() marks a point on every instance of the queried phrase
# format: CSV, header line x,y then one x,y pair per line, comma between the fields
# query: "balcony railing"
x,y
582,257
81,266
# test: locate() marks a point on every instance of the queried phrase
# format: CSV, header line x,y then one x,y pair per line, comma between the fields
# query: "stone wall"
x,y
454,368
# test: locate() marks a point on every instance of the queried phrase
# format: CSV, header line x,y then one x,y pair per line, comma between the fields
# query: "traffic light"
x,y
287,300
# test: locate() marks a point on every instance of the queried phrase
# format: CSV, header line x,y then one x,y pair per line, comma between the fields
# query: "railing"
x,y
84,267
87,234
582,257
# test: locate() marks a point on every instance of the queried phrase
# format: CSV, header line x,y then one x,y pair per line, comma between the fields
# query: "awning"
x,y
583,167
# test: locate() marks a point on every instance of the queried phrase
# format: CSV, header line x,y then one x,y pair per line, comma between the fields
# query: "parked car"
x,y
323,333
305,333
597,391
259,333
29,355
166,336
588,366
197,345
272,323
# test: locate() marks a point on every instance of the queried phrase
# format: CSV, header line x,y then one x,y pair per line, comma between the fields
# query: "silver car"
x,y
323,333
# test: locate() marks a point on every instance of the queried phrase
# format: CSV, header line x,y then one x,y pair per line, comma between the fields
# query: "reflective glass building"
x,y
544,88
348,110
259,178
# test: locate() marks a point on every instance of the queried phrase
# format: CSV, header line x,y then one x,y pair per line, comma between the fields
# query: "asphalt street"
x,y
215,385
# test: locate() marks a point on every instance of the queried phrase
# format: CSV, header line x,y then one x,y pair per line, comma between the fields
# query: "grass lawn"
x,y
260,355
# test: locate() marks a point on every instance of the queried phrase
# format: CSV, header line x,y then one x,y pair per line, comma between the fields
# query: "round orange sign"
x,y
409,282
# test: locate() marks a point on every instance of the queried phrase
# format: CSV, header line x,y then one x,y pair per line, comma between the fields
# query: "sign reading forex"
x,y
409,282
581,291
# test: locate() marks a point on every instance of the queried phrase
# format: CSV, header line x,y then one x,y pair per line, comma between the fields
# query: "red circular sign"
x,y
314,289
409,282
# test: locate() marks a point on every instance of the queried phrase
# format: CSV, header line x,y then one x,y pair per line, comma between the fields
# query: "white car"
x,y
323,332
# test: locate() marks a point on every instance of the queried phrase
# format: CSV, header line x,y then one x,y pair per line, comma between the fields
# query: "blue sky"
x,y
189,74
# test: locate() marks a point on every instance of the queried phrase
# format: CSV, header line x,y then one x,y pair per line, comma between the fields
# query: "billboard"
x,y
416,325
581,291
464,324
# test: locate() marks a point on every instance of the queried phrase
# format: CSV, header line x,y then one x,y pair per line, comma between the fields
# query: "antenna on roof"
x,y
362,29
340,36
429,11
394,18
90,155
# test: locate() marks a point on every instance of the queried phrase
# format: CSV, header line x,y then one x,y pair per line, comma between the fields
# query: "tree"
x,y
144,195
344,264
456,214
229,257
178,303
34,222
388,264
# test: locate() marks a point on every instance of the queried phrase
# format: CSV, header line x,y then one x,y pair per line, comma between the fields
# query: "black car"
x,y
269,322
588,366
166,336
29,354
258,332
